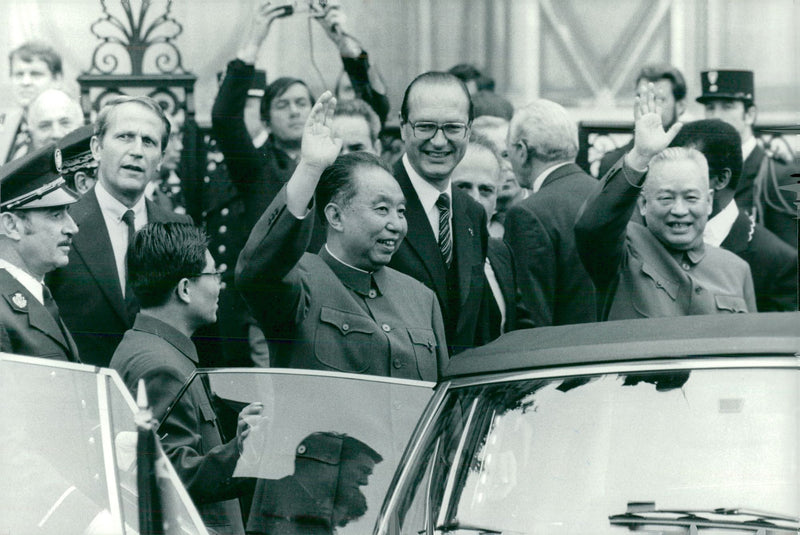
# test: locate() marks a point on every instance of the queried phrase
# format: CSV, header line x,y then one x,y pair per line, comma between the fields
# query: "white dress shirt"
x,y
537,184
113,211
719,226
428,195
748,147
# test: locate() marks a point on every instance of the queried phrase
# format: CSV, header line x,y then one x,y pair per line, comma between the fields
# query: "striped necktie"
x,y
445,238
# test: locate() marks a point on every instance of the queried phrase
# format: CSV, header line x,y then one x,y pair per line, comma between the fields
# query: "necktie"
x,y
445,238
128,219
52,308
130,301
50,305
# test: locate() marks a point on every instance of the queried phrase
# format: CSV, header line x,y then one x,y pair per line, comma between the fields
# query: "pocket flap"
x,y
662,283
346,322
423,337
731,303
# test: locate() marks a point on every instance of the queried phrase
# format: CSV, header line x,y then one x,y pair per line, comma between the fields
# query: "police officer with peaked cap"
x,y
729,95
35,238
78,167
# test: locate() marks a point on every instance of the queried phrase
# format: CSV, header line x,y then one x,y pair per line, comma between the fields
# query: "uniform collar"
x,y
24,278
356,279
149,324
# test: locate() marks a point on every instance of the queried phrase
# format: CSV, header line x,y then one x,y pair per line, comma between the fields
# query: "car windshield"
x,y
323,453
68,455
581,454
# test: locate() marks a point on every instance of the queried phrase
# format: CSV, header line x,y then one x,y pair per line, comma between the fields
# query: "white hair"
x,y
547,129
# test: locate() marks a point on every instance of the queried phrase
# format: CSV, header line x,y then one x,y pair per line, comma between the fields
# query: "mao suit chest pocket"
x,y
423,342
730,303
208,427
345,340
653,294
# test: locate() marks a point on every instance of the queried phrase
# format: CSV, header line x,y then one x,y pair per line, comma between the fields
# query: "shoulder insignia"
x,y
19,301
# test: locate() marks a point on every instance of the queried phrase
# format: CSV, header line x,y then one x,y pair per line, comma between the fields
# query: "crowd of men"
x,y
345,259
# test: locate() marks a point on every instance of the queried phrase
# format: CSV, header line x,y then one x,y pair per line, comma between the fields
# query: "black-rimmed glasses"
x,y
428,129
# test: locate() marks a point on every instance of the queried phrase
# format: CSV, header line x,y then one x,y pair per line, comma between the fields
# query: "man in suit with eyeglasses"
x,y
447,239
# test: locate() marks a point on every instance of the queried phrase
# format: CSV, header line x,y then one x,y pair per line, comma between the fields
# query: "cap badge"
x,y
301,449
19,301
57,159
713,76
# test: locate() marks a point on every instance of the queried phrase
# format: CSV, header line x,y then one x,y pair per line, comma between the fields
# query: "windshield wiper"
x,y
454,526
645,513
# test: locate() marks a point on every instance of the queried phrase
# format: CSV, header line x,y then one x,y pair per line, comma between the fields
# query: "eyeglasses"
x,y
216,274
428,129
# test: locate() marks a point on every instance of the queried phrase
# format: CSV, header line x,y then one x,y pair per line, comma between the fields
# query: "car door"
x,y
323,453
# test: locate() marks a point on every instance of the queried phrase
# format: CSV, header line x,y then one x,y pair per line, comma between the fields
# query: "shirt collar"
x,y
748,147
428,193
537,184
260,139
111,206
150,324
24,278
358,280
719,226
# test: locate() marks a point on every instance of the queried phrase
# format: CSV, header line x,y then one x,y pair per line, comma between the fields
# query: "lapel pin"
x,y
469,229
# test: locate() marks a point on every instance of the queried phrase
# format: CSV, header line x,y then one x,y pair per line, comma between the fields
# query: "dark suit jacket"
x,y
27,328
611,157
419,257
87,290
554,287
773,263
501,258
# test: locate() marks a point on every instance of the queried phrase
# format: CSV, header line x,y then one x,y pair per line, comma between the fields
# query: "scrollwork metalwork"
x,y
147,39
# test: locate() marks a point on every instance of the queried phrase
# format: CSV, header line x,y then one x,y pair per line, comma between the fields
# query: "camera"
x,y
314,8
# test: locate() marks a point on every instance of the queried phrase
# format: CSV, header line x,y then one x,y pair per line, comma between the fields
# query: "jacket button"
x,y
372,294
386,328
345,327
397,364
222,229
206,179
224,212
221,249
686,266
698,290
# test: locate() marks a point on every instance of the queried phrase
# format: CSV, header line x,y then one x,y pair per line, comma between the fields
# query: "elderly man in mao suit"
x,y
131,135
342,309
663,269
773,263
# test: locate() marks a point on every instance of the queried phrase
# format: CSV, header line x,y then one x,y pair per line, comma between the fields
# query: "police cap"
x,y
34,181
76,152
731,85
321,447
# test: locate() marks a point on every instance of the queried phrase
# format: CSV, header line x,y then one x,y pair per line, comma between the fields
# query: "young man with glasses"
x,y
447,234
175,279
